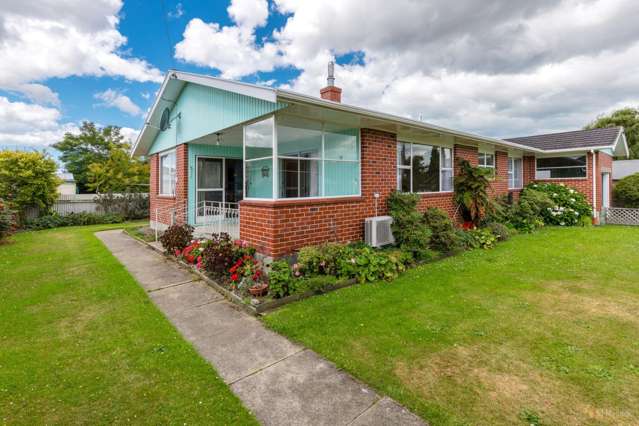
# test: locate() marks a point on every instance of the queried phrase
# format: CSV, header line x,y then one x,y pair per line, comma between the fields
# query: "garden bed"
x,y
254,306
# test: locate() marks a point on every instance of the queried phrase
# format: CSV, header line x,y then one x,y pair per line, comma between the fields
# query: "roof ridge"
x,y
563,133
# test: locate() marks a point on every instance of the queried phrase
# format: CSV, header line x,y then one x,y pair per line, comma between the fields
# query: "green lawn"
x,y
80,342
544,329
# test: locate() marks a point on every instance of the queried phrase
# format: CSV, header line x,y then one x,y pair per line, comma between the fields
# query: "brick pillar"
x,y
499,185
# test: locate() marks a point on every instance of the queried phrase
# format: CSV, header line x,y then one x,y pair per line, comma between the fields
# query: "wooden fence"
x,y
67,204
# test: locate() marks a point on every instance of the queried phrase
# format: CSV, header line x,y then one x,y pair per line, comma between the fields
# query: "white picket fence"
x,y
622,216
70,203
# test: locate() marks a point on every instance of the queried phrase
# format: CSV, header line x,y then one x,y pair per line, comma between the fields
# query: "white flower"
x,y
554,194
562,223
576,213
572,191
572,200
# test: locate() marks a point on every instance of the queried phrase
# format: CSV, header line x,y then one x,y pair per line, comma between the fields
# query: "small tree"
x,y
409,230
471,192
626,192
118,173
28,179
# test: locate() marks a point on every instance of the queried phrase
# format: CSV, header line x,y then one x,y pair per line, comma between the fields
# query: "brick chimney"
x,y
331,92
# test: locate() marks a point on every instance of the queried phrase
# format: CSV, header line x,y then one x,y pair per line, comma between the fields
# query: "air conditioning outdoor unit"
x,y
377,231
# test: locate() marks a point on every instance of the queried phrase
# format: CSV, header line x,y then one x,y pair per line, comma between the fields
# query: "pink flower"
x,y
177,253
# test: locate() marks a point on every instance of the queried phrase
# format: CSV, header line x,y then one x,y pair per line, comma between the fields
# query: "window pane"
x,y
481,159
259,178
518,173
425,168
341,178
490,159
447,158
340,144
403,154
258,139
299,178
209,173
298,138
403,180
167,174
447,180
570,172
575,161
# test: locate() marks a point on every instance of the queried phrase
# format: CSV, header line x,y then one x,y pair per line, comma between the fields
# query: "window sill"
x,y
283,202
434,194
167,197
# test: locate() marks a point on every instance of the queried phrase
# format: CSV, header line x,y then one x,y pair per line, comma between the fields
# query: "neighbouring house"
x,y
282,170
68,186
623,168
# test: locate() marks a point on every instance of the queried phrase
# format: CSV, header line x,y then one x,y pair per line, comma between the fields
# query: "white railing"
x,y
207,217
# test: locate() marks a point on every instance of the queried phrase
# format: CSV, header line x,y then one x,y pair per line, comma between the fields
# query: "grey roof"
x,y
570,140
623,168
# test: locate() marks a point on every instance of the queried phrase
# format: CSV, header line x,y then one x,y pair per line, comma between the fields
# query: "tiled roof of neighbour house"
x,y
571,140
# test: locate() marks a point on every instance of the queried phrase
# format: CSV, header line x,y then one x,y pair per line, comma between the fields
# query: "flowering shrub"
x,y
368,264
319,259
193,252
280,280
481,238
176,237
246,272
568,207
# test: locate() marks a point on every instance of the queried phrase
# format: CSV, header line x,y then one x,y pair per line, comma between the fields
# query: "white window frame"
x,y
511,173
441,161
322,159
483,155
160,156
562,167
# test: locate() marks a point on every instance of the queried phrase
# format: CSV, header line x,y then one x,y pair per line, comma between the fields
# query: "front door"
x,y
209,188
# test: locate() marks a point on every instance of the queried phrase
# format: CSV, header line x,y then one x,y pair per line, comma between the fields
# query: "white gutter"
x,y
594,184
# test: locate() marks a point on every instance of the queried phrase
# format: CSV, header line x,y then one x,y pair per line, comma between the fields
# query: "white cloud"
x,y
47,39
231,49
508,68
114,99
28,124
177,12
145,95
129,134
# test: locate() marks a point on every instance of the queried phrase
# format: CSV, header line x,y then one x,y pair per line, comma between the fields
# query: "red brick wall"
x,y
163,204
499,186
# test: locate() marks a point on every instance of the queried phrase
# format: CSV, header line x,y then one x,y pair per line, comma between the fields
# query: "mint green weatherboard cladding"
x,y
196,150
205,110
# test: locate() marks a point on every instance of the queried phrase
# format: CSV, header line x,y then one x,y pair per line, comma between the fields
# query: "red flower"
x,y
189,258
234,277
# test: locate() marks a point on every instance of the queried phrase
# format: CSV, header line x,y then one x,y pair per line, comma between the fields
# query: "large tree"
x,y
92,145
119,173
626,117
28,179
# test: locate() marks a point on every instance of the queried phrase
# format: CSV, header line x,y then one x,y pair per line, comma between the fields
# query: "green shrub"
x,y
568,204
409,230
626,191
526,215
280,279
499,230
320,259
367,264
443,236
7,220
73,219
482,238
176,237
471,191
498,210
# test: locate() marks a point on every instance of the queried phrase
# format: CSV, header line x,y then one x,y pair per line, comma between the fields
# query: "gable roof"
x,y
578,139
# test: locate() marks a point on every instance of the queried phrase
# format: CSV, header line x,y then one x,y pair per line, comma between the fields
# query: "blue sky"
x,y
514,68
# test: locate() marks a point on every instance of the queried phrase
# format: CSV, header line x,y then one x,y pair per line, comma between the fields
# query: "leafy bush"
x,y
280,279
73,219
320,259
471,191
317,284
7,220
220,254
408,227
176,238
498,210
130,205
28,179
626,191
482,238
567,205
443,236
499,230
368,264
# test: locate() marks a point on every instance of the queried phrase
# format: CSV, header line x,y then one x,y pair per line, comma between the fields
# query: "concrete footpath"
x,y
280,382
